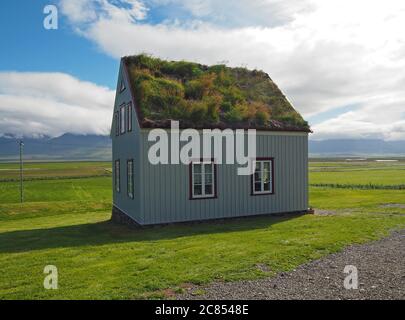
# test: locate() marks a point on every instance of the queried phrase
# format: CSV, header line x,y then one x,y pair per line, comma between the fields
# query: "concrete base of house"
x,y
118,216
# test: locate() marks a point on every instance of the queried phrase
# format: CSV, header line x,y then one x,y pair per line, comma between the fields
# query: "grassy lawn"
x,y
38,170
65,223
366,173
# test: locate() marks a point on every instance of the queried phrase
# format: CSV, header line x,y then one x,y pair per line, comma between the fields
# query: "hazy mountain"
x,y
356,147
96,147
66,147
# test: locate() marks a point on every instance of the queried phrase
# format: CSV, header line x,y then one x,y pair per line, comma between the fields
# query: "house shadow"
x,y
107,232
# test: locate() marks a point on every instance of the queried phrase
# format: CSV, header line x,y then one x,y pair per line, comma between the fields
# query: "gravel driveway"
x,y
381,275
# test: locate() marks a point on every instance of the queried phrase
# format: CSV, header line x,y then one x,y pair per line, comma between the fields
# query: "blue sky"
x,y
337,63
30,47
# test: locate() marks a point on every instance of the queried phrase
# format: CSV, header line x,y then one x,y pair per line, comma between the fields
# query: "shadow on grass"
x,y
106,232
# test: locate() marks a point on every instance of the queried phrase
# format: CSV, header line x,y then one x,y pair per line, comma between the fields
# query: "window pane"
x,y
129,117
117,124
208,168
258,177
208,189
257,167
197,168
197,190
197,179
266,165
122,120
117,176
266,186
130,173
203,179
258,187
266,176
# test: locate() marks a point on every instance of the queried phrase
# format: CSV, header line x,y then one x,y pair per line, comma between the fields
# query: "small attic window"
x,y
122,85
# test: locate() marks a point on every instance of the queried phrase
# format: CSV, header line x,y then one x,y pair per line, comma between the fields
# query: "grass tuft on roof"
x,y
202,96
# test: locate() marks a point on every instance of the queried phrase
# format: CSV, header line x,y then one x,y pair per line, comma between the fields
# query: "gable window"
x,y
117,123
203,180
122,85
130,178
263,178
122,120
117,183
129,117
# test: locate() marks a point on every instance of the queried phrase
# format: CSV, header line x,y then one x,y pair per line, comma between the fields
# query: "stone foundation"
x,y
120,217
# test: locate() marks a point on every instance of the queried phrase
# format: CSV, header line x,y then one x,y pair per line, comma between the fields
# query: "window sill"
x,y
203,198
262,194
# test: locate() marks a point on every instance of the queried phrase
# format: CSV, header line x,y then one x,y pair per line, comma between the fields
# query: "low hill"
x,y
356,147
66,147
96,147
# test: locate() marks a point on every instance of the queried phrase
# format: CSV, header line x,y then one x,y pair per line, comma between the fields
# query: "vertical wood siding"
x,y
125,147
162,191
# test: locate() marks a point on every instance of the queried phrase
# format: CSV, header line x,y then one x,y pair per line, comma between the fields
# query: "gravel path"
x,y
381,275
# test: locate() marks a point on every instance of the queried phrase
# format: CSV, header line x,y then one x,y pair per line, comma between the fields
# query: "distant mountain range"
x,y
356,147
96,147
66,147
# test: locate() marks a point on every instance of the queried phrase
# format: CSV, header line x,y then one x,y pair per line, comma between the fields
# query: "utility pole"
x,y
21,144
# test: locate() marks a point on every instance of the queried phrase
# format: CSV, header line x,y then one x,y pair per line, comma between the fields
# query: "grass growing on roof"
x,y
202,95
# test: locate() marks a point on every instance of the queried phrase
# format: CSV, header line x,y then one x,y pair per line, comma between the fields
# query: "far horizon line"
x,y
44,136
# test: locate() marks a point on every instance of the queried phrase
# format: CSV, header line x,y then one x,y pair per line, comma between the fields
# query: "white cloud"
x,y
375,119
52,104
233,13
324,54
88,11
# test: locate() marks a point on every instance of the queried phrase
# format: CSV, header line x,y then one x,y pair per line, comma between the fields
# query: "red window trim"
x,y
252,193
190,181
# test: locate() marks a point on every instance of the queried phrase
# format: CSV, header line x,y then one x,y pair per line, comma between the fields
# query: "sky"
x,y
341,63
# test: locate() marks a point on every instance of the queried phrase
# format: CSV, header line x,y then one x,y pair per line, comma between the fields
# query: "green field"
x,y
65,222
358,173
55,170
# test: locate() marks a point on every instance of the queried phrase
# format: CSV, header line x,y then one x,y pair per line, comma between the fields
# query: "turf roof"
x,y
201,96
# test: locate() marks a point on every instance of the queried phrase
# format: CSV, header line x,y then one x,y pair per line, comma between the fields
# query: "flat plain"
x,y
64,221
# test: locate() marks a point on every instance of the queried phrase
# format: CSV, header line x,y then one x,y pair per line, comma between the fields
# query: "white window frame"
x,y
129,117
262,182
130,178
117,123
203,195
122,119
117,177
122,85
